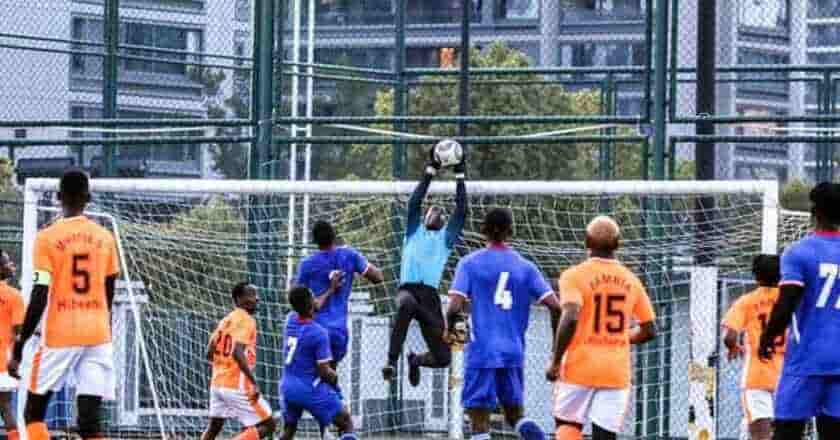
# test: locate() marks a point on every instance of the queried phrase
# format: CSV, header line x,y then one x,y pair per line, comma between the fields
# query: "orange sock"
x,y
248,434
12,434
37,431
568,432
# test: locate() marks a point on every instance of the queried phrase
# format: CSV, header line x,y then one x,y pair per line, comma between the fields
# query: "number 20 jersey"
x,y
814,263
609,295
501,286
74,256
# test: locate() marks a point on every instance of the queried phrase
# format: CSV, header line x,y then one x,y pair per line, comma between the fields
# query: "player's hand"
x,y
13,366
461,167
432,160
735,352
552,373
336,280
766,348
447,337
254,394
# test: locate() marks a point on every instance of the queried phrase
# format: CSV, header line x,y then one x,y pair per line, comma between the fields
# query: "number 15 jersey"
x,y
609,295
814,263
74,256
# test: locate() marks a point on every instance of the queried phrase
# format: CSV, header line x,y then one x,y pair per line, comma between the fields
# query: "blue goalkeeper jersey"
x,y
814,263
501,286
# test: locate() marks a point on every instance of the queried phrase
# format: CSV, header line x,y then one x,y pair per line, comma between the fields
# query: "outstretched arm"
x,y
415,203
456,224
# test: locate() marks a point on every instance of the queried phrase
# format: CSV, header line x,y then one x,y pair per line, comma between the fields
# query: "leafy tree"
x,y
795,196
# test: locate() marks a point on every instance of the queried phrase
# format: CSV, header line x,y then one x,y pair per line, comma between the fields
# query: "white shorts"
x,y
605,407
227,403
757,404
89,369
7,383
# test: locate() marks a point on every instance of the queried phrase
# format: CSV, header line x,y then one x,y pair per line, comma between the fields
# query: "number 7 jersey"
x,y
814,264
610,295
74,256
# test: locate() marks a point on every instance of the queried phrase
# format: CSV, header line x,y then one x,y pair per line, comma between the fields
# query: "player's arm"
x,y
644,333
326,373
566,329
336,280
415,203
454,311
455,226
552,303
733,326
323,356
368,271
789,297
644,314
458,296
34,312
242,362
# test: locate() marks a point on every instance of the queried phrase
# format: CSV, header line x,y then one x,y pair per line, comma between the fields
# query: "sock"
x,y
349,436
12,434
37,431
482,436
248,434
529,430
568,432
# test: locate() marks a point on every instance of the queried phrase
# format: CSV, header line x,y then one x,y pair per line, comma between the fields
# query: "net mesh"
x,y
185,251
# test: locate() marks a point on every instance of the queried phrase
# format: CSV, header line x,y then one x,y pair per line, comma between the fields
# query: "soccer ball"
x,y
448,153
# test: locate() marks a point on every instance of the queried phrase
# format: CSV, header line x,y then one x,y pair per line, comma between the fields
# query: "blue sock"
x,y
349,436
481,436
529,430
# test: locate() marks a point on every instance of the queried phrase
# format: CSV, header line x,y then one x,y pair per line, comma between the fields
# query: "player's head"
x,y
766,270
74,190
825,205
245,297
300,299
498,225
435,218
602,236
323,234
7,266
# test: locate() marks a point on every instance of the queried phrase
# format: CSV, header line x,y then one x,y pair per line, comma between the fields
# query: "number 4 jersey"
x,y
609,295
74,256
814,264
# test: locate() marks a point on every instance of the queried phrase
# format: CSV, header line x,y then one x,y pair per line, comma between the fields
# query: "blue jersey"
x,y
814,263
306,344
501,285
314,273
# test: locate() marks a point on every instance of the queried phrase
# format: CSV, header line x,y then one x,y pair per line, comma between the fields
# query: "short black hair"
x,y
300,299
74,187
323,234
766,269
498,224
239,290
825,203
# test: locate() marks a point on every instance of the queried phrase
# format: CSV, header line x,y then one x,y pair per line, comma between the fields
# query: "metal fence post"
x,y
399,153
110,76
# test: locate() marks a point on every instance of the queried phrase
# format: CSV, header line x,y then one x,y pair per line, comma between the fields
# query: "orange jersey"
x,y
610,295
749,315
11,315
238,326
74,256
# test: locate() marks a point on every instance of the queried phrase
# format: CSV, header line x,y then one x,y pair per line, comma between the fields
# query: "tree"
x,y
795,196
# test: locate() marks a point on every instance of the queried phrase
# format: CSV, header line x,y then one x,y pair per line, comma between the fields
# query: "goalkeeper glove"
x,y
432,163
460,169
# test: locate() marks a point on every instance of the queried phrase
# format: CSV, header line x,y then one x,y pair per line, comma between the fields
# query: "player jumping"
x,y
426,248
809,303
591,364
501,285
75,266
747,318
328,274
11,315
234,392
309,382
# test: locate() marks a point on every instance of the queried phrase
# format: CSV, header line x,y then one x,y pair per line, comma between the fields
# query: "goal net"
x,y
186,243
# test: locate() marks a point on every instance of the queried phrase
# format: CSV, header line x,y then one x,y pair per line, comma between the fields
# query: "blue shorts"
x,y
485,388
804,397
338,344
322,401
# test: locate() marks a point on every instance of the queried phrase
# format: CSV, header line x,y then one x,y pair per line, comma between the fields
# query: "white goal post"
x,y
545,205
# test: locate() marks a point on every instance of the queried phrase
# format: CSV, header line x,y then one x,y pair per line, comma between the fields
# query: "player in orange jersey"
x,y
11,315
234,392
745,321
591,365
76,268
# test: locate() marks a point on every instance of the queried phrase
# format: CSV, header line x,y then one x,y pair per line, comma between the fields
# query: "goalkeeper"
x,y
426,248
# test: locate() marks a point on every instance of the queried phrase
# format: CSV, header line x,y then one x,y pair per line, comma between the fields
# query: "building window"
x,y
518,9
827,35
20,133
602,10
764,14
765,83
378,58
823,9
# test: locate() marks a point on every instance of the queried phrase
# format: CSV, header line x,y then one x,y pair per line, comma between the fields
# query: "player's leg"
x,y
571,410
789,429
34,415
828,427
254,415
406,308
8,414
828,422
510,385
607,412
338,346
90,417
344,422
758,408
599,433
797,400
478,399
96,381
761,429
430,317
291,415
214,428
566,430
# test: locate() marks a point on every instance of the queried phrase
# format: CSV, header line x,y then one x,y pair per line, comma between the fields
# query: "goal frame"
x,y
768,190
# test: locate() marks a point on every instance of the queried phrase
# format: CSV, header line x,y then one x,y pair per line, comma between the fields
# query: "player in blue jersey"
x,y
309,382
328,273
502,286
426,248
809,303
